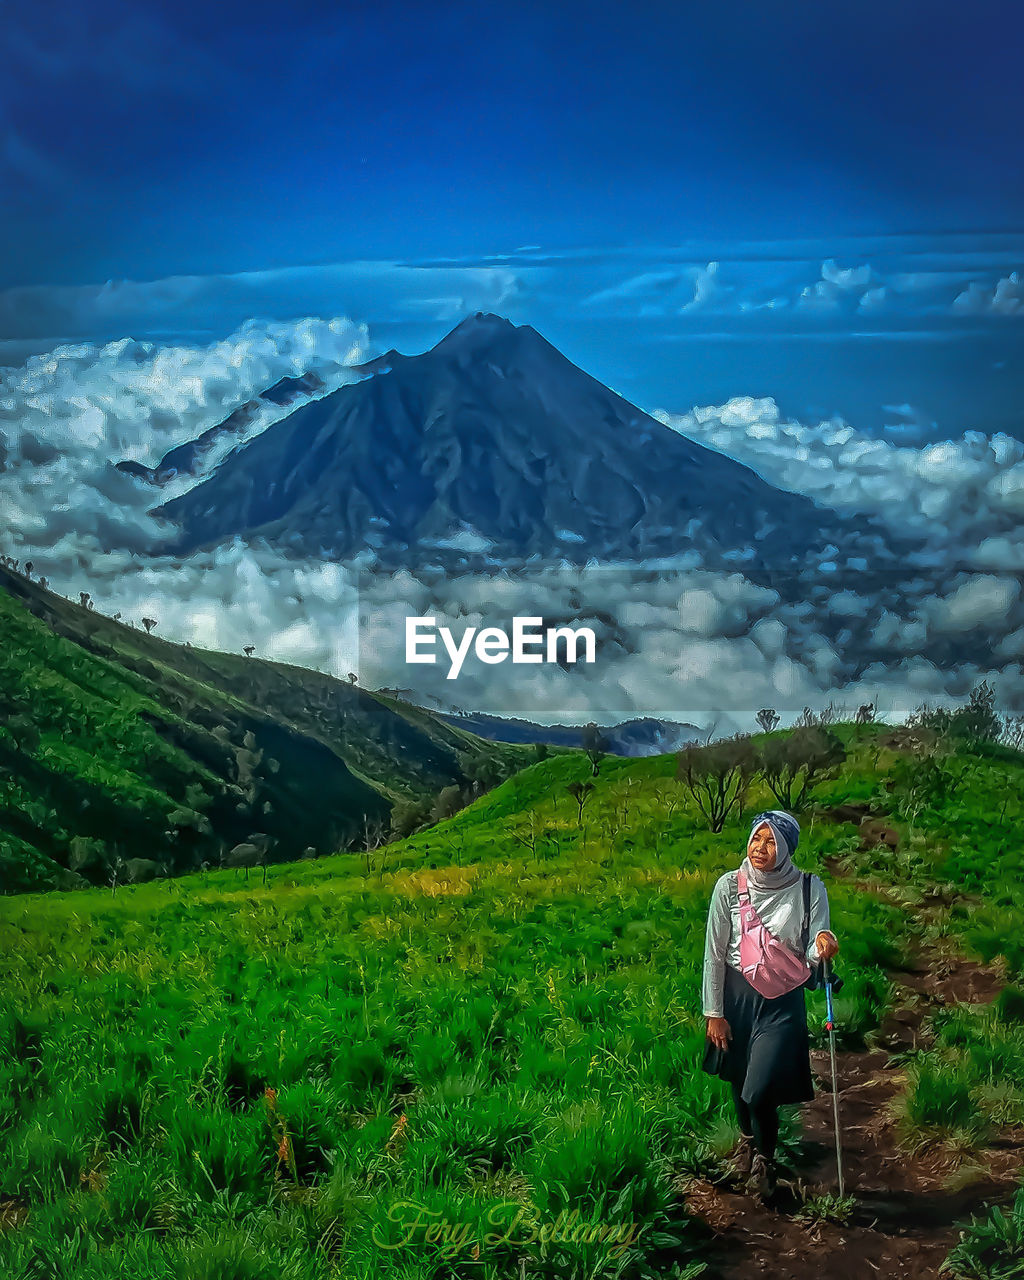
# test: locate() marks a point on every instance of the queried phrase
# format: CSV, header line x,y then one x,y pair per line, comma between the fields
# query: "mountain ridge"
x,y
490,443
187,459
171,754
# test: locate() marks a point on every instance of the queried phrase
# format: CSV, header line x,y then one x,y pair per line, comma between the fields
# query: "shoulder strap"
x,y
806,928
741,883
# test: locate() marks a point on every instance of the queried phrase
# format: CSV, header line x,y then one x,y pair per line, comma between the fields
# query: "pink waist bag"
x,y
771,967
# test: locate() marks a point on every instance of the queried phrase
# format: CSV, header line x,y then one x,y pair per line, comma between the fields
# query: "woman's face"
x,y
761,849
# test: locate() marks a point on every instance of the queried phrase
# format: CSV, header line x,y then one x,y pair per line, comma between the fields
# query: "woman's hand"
x,y
827,944
719,1032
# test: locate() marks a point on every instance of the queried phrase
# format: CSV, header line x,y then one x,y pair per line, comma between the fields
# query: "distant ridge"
x,y
187,459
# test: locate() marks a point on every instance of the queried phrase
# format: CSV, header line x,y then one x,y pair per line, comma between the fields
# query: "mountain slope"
x,y
188,458
512,1000
491,441
116,744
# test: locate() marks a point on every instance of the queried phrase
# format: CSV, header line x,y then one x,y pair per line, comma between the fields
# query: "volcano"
x,y
491,444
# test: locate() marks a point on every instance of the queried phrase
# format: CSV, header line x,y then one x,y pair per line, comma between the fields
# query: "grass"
x,y
120,749
991,1246
490,1041
826,1208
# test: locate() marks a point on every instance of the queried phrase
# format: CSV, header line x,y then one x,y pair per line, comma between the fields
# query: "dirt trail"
x,y
903,1222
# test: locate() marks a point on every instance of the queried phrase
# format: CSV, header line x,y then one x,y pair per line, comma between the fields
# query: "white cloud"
x,y
838,287
645,284
1004,298
708,289
963,498
387,290
975,484
682,642
874,299
846,278
981,600
674,291
70,415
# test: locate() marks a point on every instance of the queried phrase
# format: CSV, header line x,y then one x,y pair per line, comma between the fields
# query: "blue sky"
x,y
693,201
910,337
144,139
794,212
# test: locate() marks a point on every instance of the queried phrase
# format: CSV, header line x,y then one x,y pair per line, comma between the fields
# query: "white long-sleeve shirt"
x,y
781,911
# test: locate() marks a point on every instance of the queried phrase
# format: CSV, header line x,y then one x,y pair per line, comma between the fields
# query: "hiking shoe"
x,y
763,1177
743,1158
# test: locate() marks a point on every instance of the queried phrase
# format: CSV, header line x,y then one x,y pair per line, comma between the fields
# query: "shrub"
x,y
718,775
792,765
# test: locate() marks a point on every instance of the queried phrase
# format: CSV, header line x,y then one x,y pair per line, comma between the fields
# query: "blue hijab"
x,y
786,830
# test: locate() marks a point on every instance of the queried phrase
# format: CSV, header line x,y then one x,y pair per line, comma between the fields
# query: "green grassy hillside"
x,y
489,1029
119,750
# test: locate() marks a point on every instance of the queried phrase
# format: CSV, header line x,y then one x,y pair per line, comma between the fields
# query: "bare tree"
x,y
375,834
527,837
626,795
768,719
1013,732
792,765
115,869
249,650
832,713
580,792
595,744
149,624
718,775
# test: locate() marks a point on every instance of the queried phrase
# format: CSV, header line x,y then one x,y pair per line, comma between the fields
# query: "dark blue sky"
x,y
147,139
694,201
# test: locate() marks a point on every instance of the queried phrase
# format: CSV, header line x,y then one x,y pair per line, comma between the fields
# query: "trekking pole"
x,y
831,1028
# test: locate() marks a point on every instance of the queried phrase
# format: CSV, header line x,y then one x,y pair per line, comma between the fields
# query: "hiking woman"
x,y
759,1042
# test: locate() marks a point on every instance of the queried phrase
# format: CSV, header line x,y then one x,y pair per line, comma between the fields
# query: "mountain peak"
x,y
495,436
476,331
481,320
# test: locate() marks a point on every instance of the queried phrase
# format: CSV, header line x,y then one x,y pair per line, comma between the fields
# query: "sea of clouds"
x,y
680,642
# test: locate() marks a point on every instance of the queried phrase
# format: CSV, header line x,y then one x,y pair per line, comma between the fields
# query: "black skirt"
x,y
769,1052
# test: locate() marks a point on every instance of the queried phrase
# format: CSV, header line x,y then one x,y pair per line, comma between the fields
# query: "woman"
x,y
759,1044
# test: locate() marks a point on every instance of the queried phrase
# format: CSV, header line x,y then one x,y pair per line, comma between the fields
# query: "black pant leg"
x,y
743,1114
765,1121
